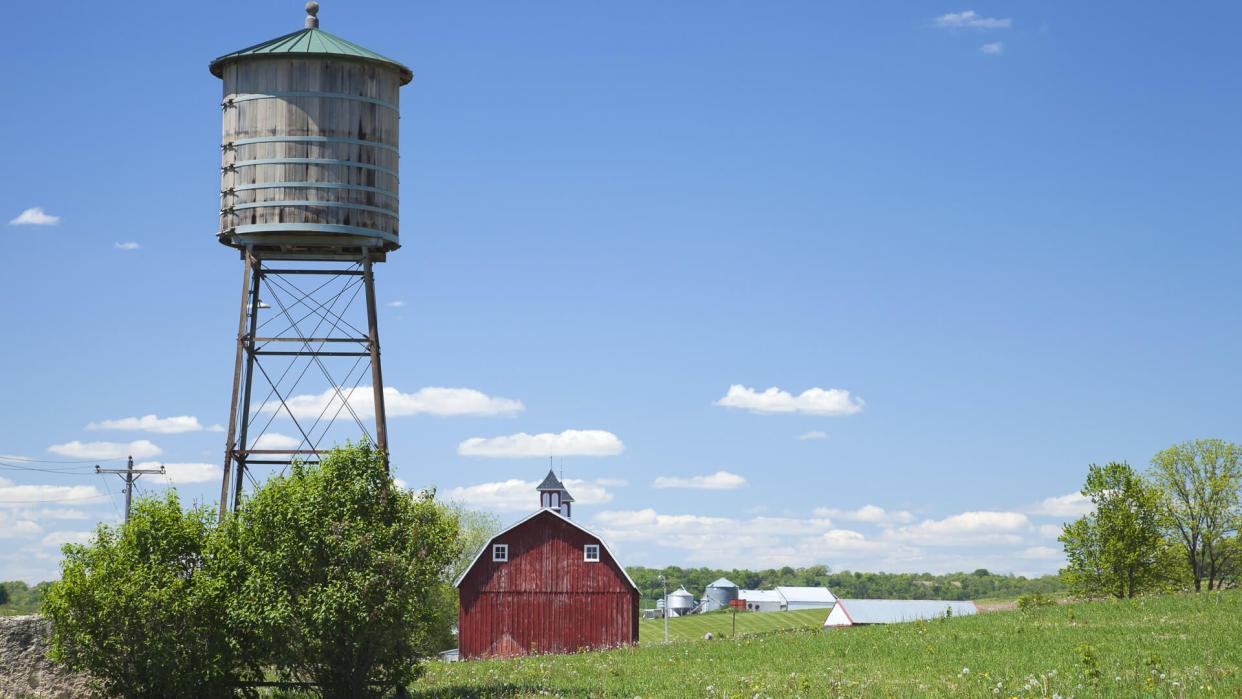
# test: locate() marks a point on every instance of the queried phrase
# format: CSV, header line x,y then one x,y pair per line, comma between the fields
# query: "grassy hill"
x,y
720,624
1175,646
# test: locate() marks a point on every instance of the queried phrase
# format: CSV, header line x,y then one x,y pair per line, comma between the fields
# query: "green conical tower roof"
x,y
311,41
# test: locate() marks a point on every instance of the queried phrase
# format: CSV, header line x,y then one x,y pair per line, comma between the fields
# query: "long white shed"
x,y
796,598
853,612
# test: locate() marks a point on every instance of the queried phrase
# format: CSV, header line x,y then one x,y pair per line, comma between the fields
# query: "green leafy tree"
x,y
139,607
4,594
1199,487
337,571
1117,550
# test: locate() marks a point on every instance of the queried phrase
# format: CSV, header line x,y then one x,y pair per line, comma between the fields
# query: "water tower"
x,y
309,197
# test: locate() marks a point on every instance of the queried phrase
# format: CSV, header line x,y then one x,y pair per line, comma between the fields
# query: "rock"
x,y
25,671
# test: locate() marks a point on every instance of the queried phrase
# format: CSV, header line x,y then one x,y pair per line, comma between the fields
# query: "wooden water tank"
x,y
309,164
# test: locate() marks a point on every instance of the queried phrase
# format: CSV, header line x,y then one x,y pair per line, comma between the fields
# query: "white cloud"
x,y
813,401
1068,505
1050,531
275,440
140,449
994,48
432,400
639,524
813,434
728,542
13,494
848,541
396,304
969,19
720,480
516,495
965,529
999,541
34,216
130,245
179,473
567,443
215,428
55,513
1042,553
11,528
58,539
871,514
150,423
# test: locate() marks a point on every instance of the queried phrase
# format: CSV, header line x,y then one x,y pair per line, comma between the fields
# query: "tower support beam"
x,y
377,375
309,311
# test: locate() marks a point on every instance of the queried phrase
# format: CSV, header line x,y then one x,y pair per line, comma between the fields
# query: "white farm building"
x,y
796,598
761,600
786,599
854,612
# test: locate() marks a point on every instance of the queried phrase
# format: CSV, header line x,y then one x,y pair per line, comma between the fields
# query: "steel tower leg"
x,y
240,453
377,375
237,376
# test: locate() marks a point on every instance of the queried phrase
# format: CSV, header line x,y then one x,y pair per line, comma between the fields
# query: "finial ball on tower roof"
x,y
312,15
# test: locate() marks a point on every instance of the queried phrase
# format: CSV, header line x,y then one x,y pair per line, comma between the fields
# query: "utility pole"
x,y
129,474
664,584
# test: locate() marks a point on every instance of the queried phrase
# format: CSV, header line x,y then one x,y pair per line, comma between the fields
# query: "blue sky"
x,y
1008,230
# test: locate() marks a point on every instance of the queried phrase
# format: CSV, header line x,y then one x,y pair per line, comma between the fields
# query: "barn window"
x,y
500,553
590,553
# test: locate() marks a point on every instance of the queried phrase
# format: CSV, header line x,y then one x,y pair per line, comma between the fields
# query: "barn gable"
x,y
497,539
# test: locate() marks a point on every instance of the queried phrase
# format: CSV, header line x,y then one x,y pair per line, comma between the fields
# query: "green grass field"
x,y
720,624
1175,646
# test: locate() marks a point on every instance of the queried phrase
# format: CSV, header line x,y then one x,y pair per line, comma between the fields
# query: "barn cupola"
x,y
553,496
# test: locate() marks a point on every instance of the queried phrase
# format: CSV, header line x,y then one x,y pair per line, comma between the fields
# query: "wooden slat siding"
x,y
545,599
310,116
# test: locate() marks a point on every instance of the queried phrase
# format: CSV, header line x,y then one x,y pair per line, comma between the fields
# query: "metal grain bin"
x,y
310,147
719,594
680,601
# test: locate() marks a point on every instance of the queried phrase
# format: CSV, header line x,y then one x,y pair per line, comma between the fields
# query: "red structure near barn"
x,y
545,585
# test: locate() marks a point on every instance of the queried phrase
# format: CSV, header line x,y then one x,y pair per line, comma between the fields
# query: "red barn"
x,y
545,585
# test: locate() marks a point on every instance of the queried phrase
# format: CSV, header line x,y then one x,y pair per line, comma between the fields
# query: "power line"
x,y
46,502
112,499
27,459
8,466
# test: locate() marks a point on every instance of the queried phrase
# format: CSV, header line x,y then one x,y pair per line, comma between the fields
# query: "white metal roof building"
x,y
806,597
851,612
762,600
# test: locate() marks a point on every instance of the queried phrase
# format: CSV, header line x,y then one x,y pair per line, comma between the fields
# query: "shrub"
x,y
1035,600
337,571
139,608
330,576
